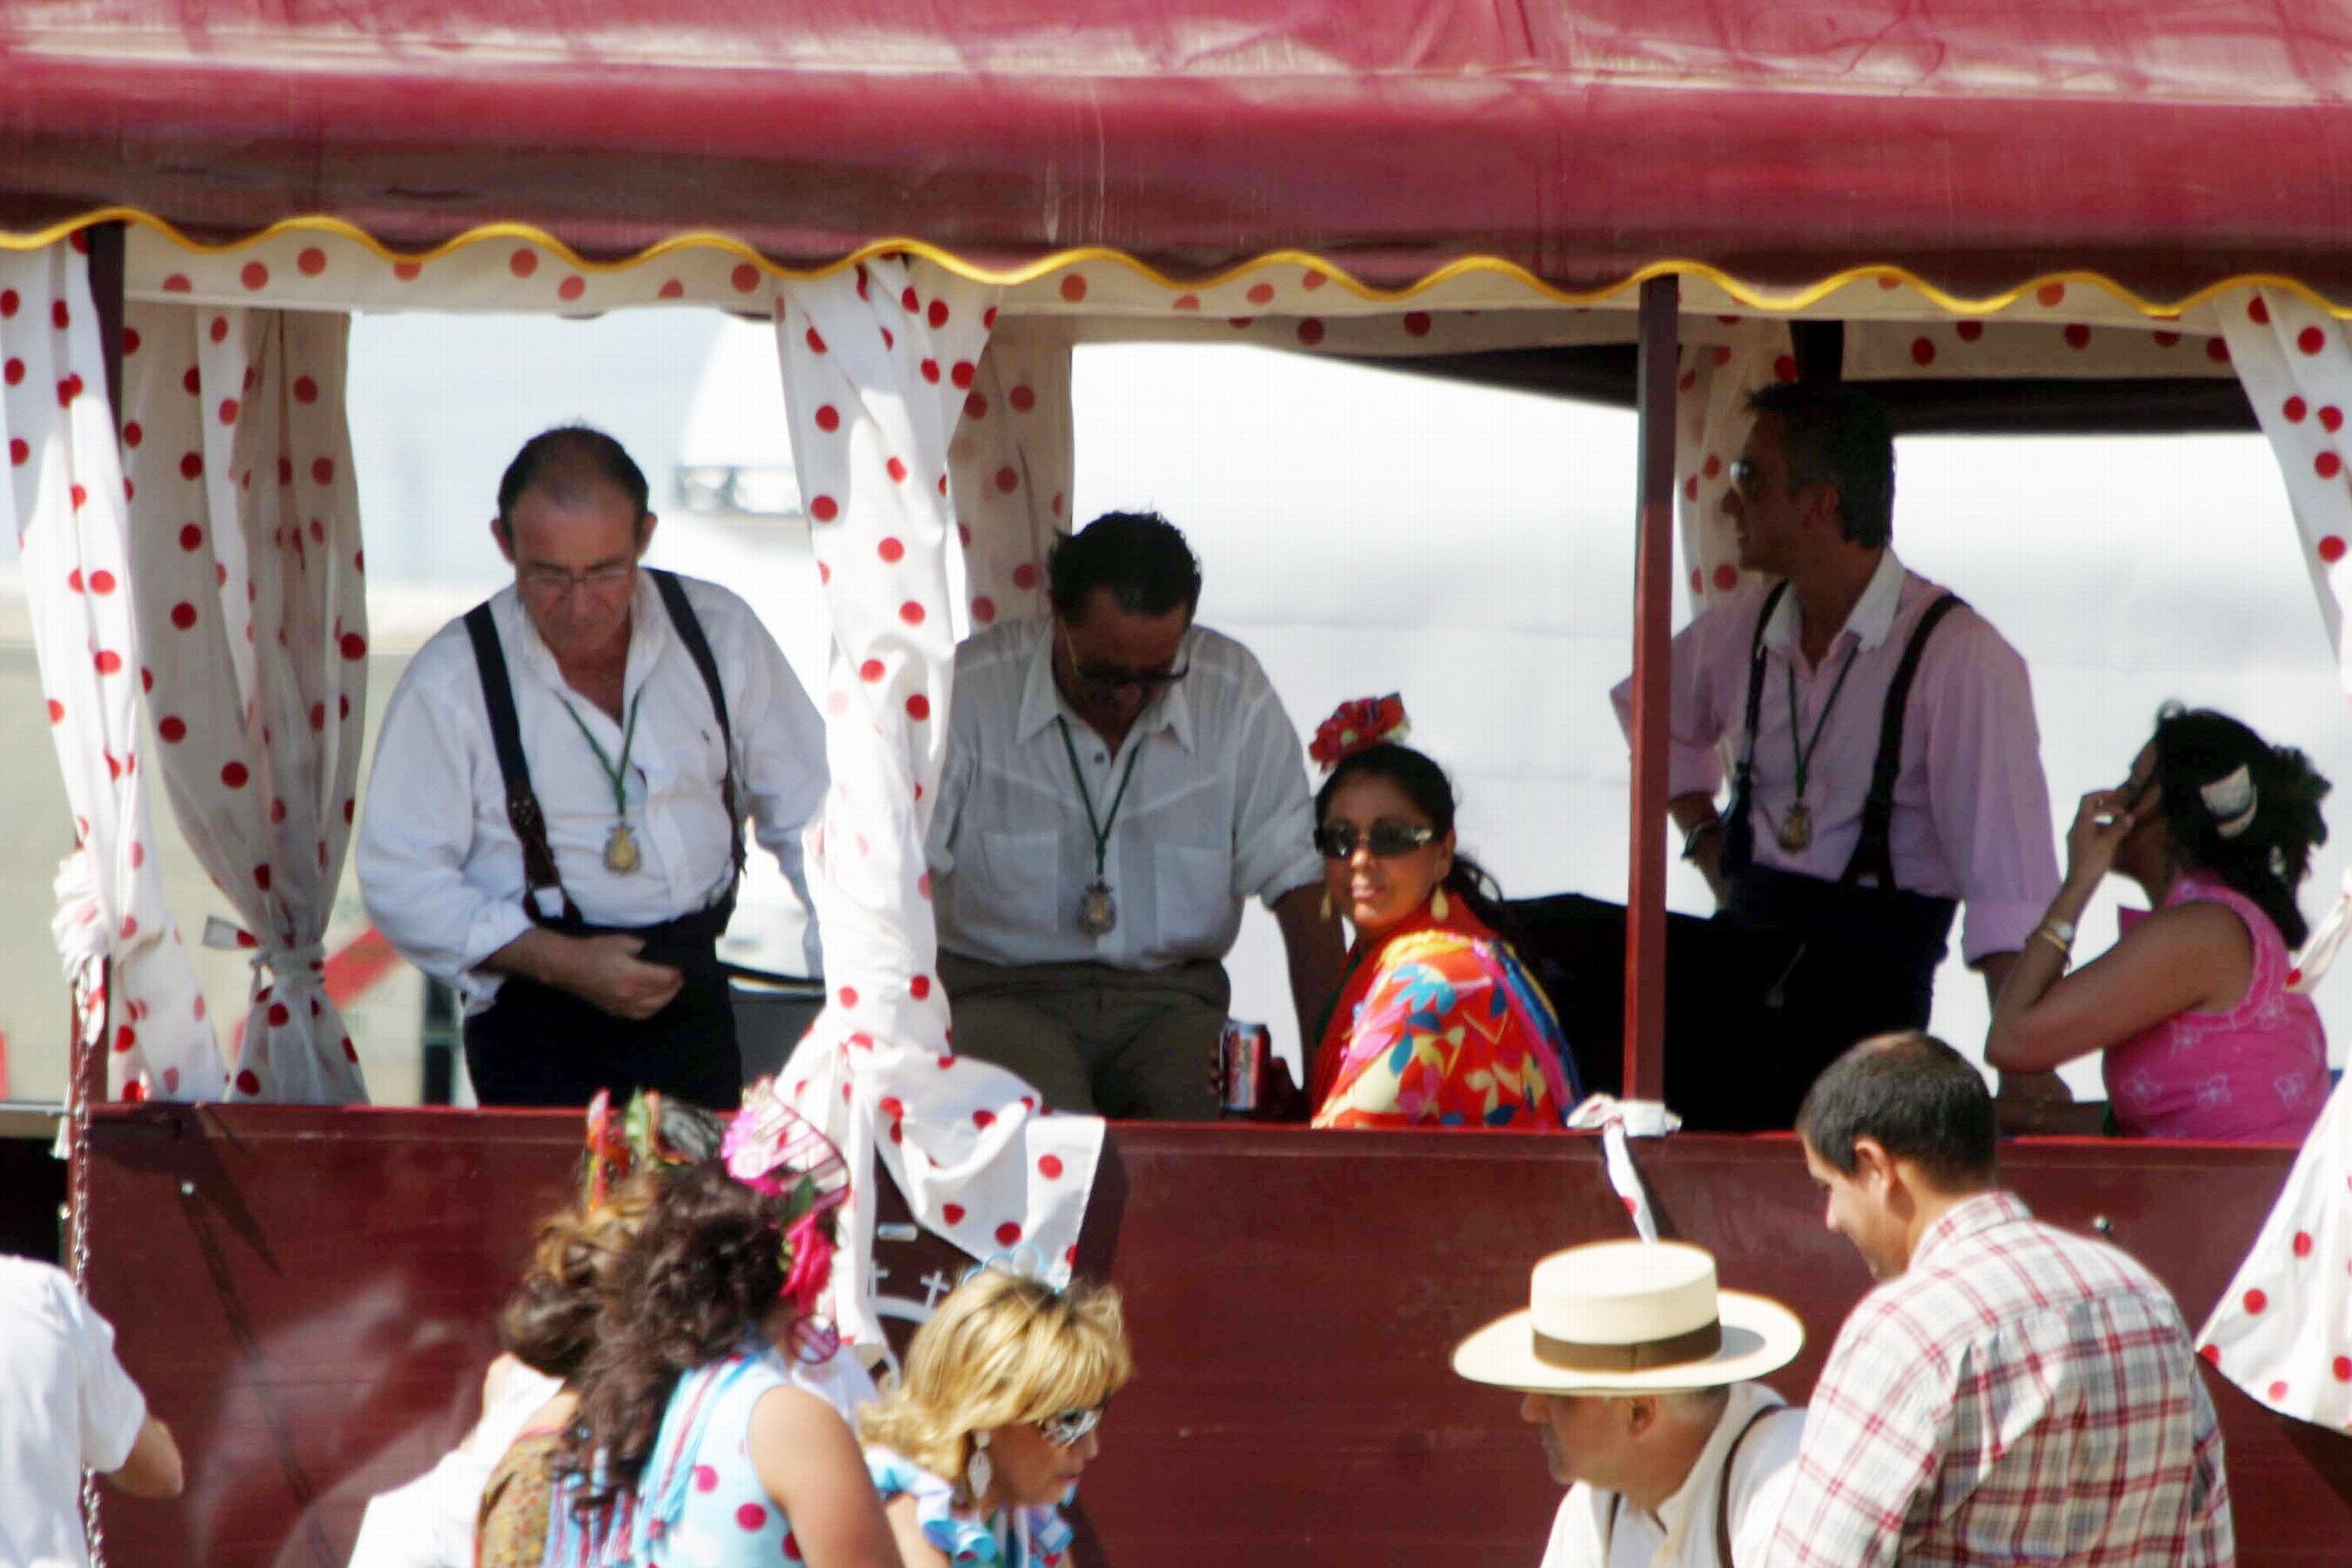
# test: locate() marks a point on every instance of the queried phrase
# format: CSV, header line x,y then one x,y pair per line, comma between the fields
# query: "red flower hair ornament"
x,y
1354,726
774,1150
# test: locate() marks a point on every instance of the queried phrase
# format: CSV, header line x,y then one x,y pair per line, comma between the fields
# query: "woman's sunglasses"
x,y
1069,1429
1387,840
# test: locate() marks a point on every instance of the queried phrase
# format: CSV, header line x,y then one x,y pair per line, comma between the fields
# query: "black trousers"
x,y
1863,963
535,1045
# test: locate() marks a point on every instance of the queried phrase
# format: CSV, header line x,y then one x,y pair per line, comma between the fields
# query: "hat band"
x,y
1642,1355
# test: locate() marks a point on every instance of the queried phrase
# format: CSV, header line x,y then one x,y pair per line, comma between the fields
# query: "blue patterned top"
x,y
1011,1538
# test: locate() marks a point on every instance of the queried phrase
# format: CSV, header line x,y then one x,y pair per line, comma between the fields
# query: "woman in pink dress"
x,y
2204,1039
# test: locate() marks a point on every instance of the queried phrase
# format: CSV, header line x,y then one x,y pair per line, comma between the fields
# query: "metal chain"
x,y
89,1003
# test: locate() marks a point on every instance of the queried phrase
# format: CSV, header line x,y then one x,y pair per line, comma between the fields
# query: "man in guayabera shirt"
x,y
1120,783
2010,1393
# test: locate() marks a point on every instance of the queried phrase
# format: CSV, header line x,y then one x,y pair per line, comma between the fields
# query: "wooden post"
x,y
1653,584
106,289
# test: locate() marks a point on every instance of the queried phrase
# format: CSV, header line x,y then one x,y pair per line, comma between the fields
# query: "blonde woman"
x,y
985,1437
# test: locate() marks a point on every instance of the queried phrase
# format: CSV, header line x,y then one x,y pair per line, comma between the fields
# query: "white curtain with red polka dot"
x,y
66,501
2283,1331
1009,469
878,366
1711,423
246,553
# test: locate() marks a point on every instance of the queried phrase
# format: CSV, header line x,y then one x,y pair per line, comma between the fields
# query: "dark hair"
x,y
550,1321
1432,794
705,1273
1137,556
2270,858
564,462
1835,434
1921,1100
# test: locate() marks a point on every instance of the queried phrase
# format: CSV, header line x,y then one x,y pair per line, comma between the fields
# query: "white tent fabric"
x,y
66,501
248,567
1711,423
877,365
2283,1331
1010,468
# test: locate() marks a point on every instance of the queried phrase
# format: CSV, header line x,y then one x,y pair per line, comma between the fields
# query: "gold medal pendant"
x,y
1796,829
1097,914
621,850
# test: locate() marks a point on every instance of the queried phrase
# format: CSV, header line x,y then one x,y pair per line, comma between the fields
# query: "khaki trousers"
x,y
1114,1042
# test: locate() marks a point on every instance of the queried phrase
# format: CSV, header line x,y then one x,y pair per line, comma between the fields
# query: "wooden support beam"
x,y
1654,586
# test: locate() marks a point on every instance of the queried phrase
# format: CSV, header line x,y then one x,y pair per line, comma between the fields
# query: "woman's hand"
x,y
2102,823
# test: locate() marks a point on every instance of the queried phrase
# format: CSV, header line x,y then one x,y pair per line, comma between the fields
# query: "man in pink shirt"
x,y
1887,767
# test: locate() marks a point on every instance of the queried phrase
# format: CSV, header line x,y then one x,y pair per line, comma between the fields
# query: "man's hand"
x,y
1693,817
602,970
609,976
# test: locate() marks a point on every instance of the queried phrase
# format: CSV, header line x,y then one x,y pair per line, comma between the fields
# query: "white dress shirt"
x,y
1681,1534
1971,817
1218,810
439,866
65,1404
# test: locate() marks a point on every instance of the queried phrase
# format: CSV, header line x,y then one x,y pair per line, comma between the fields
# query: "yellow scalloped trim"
x,y
1745,293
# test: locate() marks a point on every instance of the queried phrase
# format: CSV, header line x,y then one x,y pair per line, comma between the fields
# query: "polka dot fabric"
x,y
65,499
1010,466
250,596
2283,1331
870,367
1727,360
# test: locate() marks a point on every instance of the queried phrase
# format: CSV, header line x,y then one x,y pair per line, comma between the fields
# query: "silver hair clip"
x,y
2231,801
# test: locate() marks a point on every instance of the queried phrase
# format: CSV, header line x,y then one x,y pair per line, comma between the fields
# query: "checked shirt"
x,y
2020,1395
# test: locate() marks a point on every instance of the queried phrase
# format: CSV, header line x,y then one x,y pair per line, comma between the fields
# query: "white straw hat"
x,y
1631,1317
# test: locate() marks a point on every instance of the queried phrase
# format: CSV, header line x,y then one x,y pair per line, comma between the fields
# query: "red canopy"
x,y
1975,141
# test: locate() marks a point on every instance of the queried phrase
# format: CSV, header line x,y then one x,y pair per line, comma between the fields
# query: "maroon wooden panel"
x,y
306,1295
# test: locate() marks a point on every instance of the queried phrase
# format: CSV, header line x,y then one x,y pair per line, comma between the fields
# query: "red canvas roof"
x,y
1976,142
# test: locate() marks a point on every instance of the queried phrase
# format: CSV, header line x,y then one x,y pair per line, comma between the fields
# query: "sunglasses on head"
x,y
1387,838
1069,1428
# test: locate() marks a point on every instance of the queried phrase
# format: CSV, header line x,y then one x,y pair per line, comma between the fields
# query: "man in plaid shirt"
x,y
2009,1393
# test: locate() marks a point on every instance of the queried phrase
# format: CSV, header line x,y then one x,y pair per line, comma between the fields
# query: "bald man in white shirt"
x,y
555,824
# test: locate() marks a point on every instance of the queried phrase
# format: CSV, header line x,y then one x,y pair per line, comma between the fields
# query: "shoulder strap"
x,y
1872,853
505,734
689,632
1723,1487
1738,833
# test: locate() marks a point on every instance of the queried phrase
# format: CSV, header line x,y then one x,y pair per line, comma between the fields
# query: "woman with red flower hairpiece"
x,y
1437,1022
693,1443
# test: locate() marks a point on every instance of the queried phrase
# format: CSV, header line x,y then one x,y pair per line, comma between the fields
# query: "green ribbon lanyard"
x,y
1101,829
1803,754
617,774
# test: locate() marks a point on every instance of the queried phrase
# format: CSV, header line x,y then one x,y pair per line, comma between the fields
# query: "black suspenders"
x,y
1872,856
1722,1495
523,813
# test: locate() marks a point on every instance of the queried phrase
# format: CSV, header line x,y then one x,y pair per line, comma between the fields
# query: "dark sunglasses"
x,y
1114,677
1387,840
1068,1429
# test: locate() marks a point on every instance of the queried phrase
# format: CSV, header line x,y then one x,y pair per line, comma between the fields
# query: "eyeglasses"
x,y
1117,677
1387,840
1748,479
552,580
1114,677
1069,1428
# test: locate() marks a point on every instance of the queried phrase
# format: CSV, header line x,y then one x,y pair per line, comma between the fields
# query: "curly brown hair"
x,y
550,1321
706,1273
